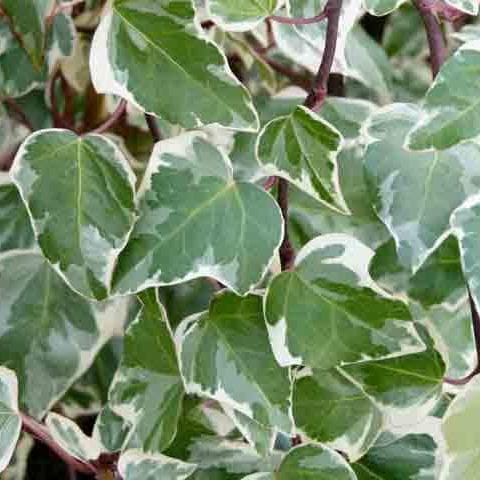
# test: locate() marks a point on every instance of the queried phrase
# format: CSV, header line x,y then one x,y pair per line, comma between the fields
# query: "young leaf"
x,y
48,334
82,217
314,461
240,15
302,148
10,421
409,457
461,433
225,355
329,408
15,228
328,310
382,7
135,465
415,193
195,221
147,390
452,108
402,383
157,39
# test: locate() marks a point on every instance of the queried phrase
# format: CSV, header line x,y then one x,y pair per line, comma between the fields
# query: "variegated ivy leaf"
x,y
10,421
240,15
225,355
414,193
27,18
451,110
468,6
329,408
409,457
135,465
195,221
314,462
11,134
48,334
82,218
15,228
328,310
382,7
147,390
136,42
302,148
17,74
402,384
461,433
61,39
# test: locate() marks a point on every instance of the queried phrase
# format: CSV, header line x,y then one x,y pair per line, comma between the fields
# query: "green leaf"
x,y
461,433
147,390
61,39
10,421
240,15
135,465
382,7
410,457
27,20
329,408
15,229
225,355
468,6
157,39
403,383
452,108
314,462
328,310
17,74
64,330
302,148
82,217
195,221
415,193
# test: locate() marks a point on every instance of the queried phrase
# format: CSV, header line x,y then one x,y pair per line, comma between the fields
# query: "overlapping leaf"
x,y
451,109
240,15
147,390
195,220
225,355
48,334
328,311
302,148
329,408
82,217
382,7
140,45
415,193
10,421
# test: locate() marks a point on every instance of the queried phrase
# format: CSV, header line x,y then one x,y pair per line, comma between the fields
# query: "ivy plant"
x,y
239,239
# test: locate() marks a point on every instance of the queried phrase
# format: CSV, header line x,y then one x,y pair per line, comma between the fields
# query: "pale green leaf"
x,y
415,193
461,433
195,221
468,6
157,39
83,215
302,148
382,7
309,462
15,228
110,430
147,390
329,408
135,465
328,310
451,110
10,421
402,384
225,355
410,457
65,332
17,74
240,15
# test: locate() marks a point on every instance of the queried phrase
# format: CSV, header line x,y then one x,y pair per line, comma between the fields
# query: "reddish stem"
x,y
113,118
299,21
13,106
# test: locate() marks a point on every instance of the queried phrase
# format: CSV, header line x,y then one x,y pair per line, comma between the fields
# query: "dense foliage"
x,y
239,239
